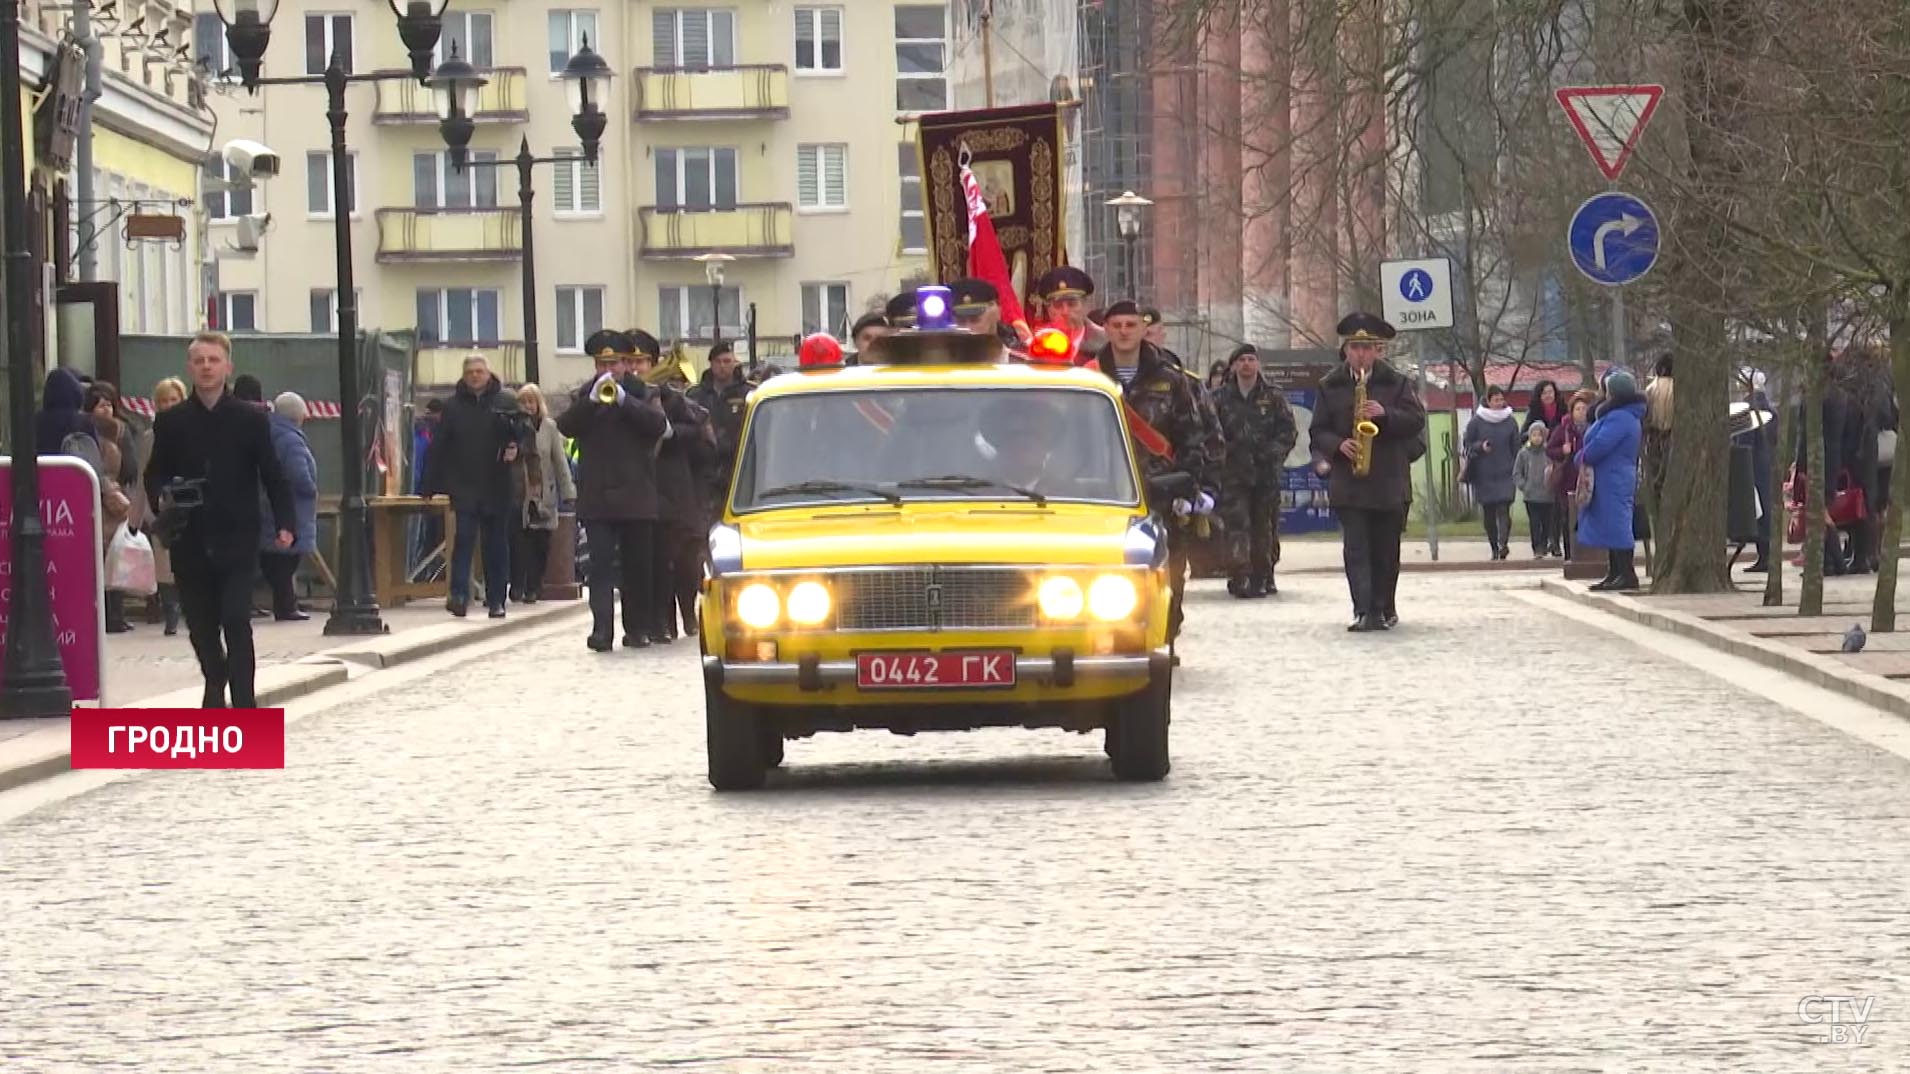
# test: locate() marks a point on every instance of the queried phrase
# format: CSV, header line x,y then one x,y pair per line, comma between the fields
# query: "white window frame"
x,y
572,16
814,16
837,326
822,204
906,180
223,301
444,317
332,195
943,41
681,152
577,167
481,161
708,14
331,304
571,315
440,53
331,38
685,294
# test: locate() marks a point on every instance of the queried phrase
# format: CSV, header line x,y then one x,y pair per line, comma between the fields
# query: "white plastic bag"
x,y
129,563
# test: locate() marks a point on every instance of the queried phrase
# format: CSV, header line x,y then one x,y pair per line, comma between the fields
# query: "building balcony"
x,y
753,91
441,364
758,230
449,235
501,100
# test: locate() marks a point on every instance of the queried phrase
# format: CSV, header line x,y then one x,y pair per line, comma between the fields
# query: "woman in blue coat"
x,y
280,565
1611,454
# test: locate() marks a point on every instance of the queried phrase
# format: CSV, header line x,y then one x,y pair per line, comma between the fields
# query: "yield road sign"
x,y
1609,120
1416,294
1613,238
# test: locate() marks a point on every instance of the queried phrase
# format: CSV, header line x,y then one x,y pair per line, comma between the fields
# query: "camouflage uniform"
x,y
1260,432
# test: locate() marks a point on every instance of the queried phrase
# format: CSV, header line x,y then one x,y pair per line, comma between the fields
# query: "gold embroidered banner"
x,y
1016,155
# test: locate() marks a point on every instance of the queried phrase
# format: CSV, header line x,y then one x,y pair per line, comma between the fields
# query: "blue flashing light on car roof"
x,y
933,312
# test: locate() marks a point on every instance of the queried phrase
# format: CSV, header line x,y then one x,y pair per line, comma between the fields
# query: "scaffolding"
x,y
1116,147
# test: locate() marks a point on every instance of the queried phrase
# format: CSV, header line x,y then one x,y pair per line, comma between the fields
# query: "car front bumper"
x,y
1060,670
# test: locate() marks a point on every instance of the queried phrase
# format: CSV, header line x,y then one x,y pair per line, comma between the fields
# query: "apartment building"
x,y
763,132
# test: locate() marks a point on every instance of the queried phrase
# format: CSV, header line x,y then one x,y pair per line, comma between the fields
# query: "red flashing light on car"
x,y
819,351
1051,346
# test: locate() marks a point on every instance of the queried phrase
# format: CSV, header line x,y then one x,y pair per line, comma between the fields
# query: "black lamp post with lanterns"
x,y
248,30
456,84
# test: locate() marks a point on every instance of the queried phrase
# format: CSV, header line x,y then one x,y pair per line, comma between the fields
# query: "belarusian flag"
x,y
985,260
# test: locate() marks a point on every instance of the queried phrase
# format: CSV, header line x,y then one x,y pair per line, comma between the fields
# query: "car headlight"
x,y
1059,597
808,603
758,606
1112,596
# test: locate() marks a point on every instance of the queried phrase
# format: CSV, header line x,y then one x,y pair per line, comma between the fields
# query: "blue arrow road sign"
x,y
1416,285
1614,238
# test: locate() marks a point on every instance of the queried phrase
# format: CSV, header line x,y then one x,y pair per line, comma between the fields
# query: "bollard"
x,y
560,573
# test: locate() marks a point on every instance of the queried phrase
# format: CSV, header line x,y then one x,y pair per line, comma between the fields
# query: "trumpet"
x,y
607,392
1364,432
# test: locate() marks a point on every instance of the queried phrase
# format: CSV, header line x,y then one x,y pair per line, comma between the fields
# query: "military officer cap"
x,y
605,343
1150,316
1098,316
1064,281
643,343
901,309
1365,328
973,296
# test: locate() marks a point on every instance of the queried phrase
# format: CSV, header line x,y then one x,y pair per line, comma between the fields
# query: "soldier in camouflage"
x,y
1260,432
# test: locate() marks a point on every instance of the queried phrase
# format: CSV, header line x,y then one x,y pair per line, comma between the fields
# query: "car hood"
x,y
879,535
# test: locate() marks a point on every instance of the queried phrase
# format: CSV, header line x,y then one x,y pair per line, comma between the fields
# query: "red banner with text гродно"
x,y
178,738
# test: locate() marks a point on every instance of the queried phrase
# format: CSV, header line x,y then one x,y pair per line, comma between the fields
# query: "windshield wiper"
x,y
832,486
969,481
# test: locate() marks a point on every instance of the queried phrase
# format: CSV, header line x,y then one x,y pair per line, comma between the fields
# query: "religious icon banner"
x,y
1017,156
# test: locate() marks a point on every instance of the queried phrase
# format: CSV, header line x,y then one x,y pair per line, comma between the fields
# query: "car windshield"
x,y
1021,444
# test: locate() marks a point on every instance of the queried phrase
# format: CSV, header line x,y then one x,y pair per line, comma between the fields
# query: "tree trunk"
x,y
1883,604
1690,515
1810,597
1775,502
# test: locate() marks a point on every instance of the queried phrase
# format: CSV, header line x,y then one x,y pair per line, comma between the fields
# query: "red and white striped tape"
x,y
319,408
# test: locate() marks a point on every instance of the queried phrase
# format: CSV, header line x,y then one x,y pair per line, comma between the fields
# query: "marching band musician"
x,y
1371,507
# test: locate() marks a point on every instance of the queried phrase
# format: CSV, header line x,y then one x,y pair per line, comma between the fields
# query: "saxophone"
x,y
1363,431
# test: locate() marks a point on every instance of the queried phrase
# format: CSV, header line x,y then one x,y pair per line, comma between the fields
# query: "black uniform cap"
x,y
1365,328
642,342
901,309
973,296
607,343
1123,308
1064,281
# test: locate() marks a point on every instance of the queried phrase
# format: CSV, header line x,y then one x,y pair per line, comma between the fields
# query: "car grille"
x,y
935,598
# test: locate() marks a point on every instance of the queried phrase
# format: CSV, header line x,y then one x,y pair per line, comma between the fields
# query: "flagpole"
x,y
988,53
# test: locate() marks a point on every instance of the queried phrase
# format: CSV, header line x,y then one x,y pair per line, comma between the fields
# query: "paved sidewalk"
x,y
1808,647
146,669
1310,554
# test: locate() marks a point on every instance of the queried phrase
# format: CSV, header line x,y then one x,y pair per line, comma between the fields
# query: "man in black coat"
x,y
617,486
1371,508
470,461
226,444
723,392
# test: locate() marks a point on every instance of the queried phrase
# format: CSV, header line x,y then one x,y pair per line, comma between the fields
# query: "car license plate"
x,y
934,671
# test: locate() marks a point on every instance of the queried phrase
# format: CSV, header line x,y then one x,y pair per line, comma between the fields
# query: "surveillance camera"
x,y
251,160
247,232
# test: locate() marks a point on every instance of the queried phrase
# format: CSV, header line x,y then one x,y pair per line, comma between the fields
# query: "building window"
x,y
825,308
684,313
921,55
580,312
819,39
324,35
574,187
319,199
209,45
693,37
236,311
914,225
224,204
822,176
696,179
470,33
325,310
457,317
568,29
436,184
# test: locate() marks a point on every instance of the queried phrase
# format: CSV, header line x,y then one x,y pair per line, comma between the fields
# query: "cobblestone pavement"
x,y
1492,839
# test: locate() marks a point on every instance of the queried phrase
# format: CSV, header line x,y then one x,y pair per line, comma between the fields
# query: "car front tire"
x,y
1137,737
733,734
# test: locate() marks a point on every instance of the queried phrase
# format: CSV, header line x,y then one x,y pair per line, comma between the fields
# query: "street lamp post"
x,y
713,272
1127,217
456,84
35,679
248,30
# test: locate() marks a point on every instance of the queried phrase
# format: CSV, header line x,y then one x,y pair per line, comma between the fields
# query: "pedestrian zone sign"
x,y
1416,294
1609,120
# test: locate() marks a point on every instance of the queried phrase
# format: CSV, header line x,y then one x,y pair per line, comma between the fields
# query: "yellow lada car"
x,y
935,540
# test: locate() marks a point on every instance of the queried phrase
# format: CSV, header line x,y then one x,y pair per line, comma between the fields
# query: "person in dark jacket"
x,y
227,445
1610,452
723,393
617,486
1491,448
470,461
62,415
1259,430
280,565
1371,508
682,529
